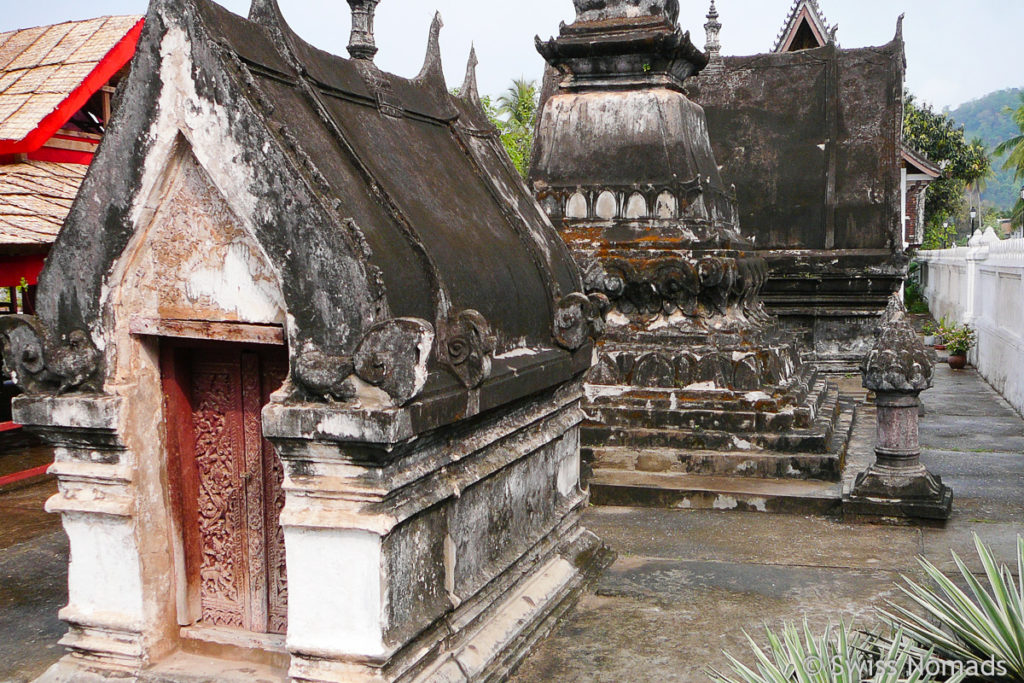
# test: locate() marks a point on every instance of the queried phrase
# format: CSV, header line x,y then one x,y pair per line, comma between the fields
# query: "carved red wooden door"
x,y
227,483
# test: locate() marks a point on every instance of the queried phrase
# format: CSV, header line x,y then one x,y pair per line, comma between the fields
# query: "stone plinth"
x,y
106,610
431,558
898,369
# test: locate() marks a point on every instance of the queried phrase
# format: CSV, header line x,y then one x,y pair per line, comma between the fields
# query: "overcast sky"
x,y
956,50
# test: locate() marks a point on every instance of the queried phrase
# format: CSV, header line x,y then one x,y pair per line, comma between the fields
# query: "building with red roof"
x,y
56,86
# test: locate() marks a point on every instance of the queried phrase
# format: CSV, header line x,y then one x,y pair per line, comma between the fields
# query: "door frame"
x,y
183,474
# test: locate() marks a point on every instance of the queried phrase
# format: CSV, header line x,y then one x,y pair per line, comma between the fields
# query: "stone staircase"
x,y
697,457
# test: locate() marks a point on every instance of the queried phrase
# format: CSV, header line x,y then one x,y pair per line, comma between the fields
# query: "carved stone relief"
x,y
198,263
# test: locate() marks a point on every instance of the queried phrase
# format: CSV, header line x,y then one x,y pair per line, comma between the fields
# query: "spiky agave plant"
x,y
836,657
984,627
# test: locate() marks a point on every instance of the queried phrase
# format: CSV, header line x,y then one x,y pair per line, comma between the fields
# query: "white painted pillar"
x,y
105,610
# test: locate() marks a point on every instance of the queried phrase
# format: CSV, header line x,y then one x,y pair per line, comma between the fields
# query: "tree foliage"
x,y
965,164
989,118
514,114
1013,150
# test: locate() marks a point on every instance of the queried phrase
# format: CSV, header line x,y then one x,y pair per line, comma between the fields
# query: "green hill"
x,y
987,118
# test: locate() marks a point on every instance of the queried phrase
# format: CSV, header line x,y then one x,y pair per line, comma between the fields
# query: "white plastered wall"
x,y
983,286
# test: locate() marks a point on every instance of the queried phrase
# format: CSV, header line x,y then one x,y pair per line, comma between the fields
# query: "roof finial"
x,y
713,46
432,63
361,45
469,90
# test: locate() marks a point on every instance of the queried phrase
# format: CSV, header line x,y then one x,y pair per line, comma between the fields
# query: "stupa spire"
x,y
713,46
361,44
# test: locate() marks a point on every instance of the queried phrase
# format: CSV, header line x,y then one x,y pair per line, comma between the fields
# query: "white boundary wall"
x,y
983,286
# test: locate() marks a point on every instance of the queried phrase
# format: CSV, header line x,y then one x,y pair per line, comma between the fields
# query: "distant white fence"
x,y
983,285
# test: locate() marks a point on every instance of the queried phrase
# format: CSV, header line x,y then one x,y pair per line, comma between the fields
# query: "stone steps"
x,y
789,466
609,427
706,492
801,392
765,481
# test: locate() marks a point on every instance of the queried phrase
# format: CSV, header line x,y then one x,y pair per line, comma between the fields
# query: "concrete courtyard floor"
x,y
685,584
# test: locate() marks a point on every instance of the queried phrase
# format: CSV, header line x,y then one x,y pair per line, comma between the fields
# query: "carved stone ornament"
x,y
361,44
599,10
579,318
323,376
393,356
40,365
465,345
898,369
898,362
696,288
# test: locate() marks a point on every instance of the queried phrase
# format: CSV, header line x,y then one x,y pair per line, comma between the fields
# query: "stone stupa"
x,y
698,397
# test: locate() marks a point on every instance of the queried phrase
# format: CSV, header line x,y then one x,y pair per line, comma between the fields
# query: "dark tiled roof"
x,y
373,196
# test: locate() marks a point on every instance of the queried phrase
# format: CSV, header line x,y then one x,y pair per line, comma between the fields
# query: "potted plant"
x,y
928,330
961,339
941,332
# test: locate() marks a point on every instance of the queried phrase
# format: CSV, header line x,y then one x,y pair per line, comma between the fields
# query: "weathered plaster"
x,y
335,603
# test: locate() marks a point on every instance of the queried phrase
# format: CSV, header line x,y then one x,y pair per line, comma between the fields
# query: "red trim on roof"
x,y
107,68
74,138
14,268
61,156
22,476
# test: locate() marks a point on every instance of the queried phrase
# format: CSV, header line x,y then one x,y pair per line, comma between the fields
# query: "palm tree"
x,y
519,103
1014,151
519,106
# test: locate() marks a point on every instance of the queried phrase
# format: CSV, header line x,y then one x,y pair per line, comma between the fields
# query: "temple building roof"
x,y
47,73
812,140
35,197
805,28
53,94
918,164
368,196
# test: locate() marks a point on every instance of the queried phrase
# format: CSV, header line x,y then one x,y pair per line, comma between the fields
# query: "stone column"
x,y
898,369
105,613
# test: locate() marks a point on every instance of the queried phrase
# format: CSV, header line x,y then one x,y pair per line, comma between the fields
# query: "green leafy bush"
x,y
913,299
960,339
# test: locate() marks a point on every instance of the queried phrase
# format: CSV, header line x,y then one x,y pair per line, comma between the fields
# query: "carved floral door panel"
x,y
227,484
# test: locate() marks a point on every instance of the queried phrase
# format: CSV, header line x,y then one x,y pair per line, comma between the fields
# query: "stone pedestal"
x,y
897,484
429,558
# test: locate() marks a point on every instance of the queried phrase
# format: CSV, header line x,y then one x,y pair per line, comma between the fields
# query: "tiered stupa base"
x,y
726,420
